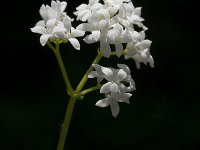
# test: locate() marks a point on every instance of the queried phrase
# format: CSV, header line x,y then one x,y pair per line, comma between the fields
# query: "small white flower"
x,y
84,11
64,31
56,11
45,30
117,88
140,51
128,15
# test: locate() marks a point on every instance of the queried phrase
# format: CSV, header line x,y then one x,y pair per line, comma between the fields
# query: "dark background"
x,y
164,110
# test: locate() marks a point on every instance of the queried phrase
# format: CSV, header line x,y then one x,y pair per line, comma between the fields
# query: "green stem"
x,y
62,67
85,77
70,91
66,123
90,89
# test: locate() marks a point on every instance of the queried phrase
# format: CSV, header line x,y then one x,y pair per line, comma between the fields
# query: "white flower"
x,y
84,11
56,11
117,35
54,30
117,88
114,5
112,99
64,31
140,51
45,30
129,15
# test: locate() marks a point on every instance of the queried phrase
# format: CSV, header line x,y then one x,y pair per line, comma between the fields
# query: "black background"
x,y
164,110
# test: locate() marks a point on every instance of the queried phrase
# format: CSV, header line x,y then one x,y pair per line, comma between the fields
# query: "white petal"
x,y
121,75
44,38
51,23
83,13
125,68
105,48
93,74
75,43
137,11
112,35
103,103
63,5
67,22
123,97
114,108
82,6
86,16
92,2
132,85
105,13
40,23
151,61
96,35
85,27
106,88
142,34
39,29
89,39
96,6
114,88
76,33
94,19
129,8
107,71
144,44
119,49
104,25
42,12
58,29
54,5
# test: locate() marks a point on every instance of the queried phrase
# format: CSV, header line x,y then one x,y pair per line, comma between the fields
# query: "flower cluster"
x,y
119,84
56,25
113,23
109,23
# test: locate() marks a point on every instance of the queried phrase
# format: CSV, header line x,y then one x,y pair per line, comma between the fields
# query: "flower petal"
x,y
96,35
75,43
76,33
107,71
106,88
63,5
125,68
67,22
93,74
105,48
39,29
40,23
44,38
89,39
137,11
51,23
123,97
121,75
114,108
85,27
114,88
103,102
119,49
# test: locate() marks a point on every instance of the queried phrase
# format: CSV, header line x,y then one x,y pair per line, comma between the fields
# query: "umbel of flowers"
x,y
109,23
